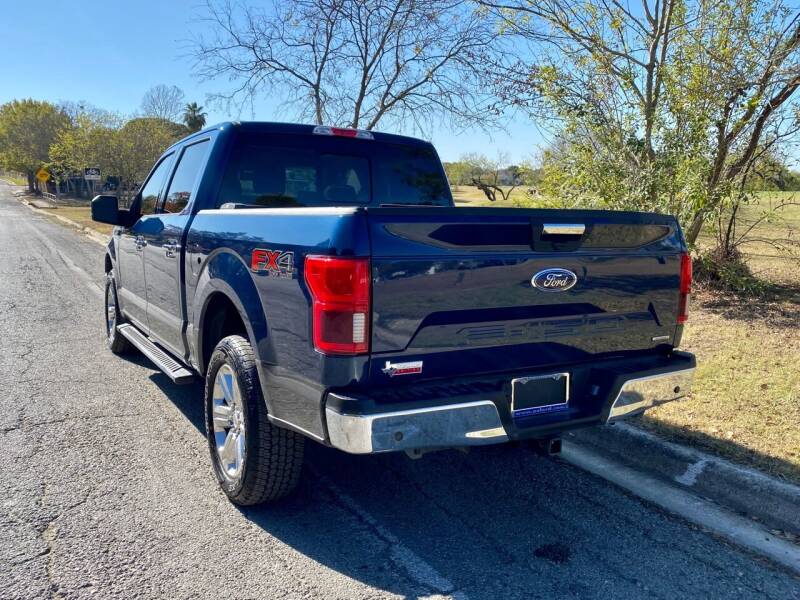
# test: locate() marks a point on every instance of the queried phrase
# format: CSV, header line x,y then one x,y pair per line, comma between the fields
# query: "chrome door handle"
x,y
140,243
171,249
563,228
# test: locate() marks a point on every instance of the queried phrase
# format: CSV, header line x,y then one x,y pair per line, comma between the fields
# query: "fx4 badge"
x,y
406,368
275,263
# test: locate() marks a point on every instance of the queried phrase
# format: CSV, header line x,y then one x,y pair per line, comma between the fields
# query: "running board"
x,y
171,367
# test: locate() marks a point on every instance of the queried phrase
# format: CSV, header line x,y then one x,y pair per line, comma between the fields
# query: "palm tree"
x,y
194,117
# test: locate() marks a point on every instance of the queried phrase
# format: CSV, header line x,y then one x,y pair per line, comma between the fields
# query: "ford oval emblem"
x,y
554,280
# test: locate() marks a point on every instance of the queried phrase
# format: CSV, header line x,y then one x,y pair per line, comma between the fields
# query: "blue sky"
x,y
109,53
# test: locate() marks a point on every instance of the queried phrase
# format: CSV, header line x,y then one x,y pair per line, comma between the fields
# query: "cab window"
x,y
183,182
154,185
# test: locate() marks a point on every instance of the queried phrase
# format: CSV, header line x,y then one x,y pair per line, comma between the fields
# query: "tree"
x,y
354,63
193,117
456,173
27,128
163,102
661,107
90,141
140,142
123,149
490,176
74,110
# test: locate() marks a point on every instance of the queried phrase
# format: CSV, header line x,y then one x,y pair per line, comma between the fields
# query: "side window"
x,y
154,185
183,182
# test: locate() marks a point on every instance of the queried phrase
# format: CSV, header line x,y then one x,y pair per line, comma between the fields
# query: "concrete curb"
x,y
761,498
92,235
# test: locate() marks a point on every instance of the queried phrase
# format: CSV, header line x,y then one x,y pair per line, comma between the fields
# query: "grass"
x,y
469,195
82,216
15,179
746,399
745,404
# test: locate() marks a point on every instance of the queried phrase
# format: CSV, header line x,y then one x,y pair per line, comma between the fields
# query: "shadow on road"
x,y
500,521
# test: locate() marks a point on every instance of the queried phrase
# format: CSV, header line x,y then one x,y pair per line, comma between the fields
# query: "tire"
x,y
253,460
116,342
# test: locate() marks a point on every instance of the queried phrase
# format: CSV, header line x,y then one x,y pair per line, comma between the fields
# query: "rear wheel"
x,y
253,460
118,343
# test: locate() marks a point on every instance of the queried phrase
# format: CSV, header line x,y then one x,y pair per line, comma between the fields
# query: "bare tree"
x,y
355,63
164,102
491,176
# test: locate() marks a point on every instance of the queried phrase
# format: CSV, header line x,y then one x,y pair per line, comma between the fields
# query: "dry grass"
x,y
746,400
14,179
82,216
469,195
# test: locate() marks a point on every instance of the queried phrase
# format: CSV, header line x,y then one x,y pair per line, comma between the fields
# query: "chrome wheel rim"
x,y
229,426
111,309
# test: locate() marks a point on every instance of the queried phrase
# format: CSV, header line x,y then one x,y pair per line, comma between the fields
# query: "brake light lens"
x,y
343,132
340,293
685,288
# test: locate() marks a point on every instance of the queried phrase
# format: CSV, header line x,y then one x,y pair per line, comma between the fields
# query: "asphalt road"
x,y
107,490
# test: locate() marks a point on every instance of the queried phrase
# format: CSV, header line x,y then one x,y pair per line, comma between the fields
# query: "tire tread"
x,y
275,454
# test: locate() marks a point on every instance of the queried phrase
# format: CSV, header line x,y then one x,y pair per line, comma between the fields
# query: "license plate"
x,y
539,395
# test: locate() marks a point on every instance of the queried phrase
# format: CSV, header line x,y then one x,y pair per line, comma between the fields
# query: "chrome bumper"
x,y
477,423
453,425
642,393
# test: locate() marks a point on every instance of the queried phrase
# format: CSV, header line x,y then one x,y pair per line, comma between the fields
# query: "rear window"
x,y
311,170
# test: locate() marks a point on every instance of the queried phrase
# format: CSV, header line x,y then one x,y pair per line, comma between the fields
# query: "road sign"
x,y
91,174
42,175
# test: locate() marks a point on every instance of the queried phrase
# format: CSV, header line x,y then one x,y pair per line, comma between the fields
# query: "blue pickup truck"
x,y
325,286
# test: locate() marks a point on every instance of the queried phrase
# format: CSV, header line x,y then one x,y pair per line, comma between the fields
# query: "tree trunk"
x,y
694,229
30,182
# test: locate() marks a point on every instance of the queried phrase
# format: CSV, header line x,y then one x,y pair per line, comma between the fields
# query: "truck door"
x,y
131,244
163,253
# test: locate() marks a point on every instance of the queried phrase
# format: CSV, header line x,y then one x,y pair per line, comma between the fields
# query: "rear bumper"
x,y
464,424
641,393
361,426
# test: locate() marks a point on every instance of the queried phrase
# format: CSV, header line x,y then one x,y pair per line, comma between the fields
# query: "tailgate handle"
x,y
563,228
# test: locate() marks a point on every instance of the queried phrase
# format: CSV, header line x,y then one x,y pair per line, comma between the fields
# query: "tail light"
x,y
340,290
685,288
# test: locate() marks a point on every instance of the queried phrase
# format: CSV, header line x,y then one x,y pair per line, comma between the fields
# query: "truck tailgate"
x,y
470,291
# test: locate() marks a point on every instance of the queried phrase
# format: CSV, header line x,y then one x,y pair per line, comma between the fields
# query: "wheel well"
x,y
109,264
221,319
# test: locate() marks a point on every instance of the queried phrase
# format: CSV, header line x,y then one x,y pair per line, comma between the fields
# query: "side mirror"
x,y
105,209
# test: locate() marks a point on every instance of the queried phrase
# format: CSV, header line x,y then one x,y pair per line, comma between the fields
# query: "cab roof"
x,y
297,129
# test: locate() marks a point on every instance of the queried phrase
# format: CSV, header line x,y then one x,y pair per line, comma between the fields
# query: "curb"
x,y
91,234
773,503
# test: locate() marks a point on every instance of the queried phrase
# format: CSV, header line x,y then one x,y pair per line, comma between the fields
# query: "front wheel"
x,y
116,342
253,460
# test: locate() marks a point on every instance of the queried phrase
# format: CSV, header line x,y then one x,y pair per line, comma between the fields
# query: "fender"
x,y
225,272
111,251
